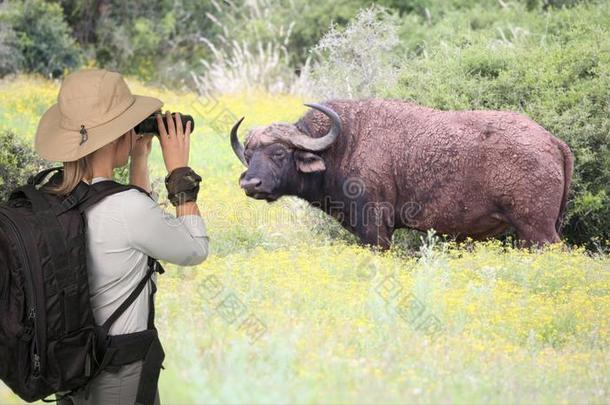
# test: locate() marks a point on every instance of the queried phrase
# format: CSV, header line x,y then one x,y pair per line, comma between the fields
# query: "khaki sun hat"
x,y
94,107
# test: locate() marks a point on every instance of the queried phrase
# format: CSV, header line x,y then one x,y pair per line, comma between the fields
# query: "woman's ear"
x,y
308,162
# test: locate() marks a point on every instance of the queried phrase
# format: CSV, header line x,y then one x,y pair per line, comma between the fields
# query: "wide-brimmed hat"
x,y
94,107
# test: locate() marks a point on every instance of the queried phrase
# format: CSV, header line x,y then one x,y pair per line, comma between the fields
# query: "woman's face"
x,y
123,148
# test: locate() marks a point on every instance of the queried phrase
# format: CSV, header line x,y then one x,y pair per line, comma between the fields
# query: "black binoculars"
x,y
149,125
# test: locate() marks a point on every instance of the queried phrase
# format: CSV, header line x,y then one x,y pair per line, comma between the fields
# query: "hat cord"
x,y
83,135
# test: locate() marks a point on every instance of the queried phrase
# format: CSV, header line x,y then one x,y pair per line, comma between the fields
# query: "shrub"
x,y
360,60
10,57
17,162
310,21
37,37
155,40
553,67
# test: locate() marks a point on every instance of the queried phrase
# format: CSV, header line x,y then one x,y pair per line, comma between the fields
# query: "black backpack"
x,y
49,341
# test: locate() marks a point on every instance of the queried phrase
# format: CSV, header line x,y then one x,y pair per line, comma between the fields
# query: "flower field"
x,y
288,309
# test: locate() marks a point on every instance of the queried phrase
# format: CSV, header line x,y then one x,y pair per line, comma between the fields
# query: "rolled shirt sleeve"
x,y
178,240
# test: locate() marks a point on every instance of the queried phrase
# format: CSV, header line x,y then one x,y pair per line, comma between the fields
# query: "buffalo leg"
x,y
374,226
376,236
531,234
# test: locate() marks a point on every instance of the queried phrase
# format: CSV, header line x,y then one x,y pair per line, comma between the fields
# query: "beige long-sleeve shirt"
x,y
122,231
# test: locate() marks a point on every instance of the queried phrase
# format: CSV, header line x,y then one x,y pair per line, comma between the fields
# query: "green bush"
x,y
37,38
551,66
311,20
360,60
17,162
10,56
154,40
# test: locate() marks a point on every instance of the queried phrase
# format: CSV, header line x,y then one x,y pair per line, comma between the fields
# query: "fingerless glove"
x,y
182,185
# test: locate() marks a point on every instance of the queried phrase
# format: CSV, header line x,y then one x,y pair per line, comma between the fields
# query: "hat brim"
x,y
55,143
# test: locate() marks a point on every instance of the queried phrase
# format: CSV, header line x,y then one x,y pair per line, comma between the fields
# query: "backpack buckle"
x,y
155,265
76,196
158,268
69,202
28,332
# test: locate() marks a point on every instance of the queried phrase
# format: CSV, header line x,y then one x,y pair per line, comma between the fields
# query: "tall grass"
x,y
250,63
356,62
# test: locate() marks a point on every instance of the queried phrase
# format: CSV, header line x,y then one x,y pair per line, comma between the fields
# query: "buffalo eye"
x,y
278,156
248,155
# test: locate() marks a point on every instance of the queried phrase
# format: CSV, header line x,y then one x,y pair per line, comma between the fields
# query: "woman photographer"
x,y
91,130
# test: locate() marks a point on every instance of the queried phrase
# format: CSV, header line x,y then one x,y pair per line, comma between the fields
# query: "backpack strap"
x,y
37,178
153,267
151,368
121,350
86,195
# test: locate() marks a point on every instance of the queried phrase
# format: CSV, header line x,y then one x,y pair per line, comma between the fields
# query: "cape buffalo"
x,y
378,165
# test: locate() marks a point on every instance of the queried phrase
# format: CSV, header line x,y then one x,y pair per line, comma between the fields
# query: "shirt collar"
x,y
97,180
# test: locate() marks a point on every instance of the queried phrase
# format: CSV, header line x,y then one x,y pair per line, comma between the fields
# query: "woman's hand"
x,y
175,141
138,168
141,147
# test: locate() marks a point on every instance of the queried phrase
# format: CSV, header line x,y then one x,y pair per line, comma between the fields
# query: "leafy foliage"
x,y
11,58
156,39
17,162
35,38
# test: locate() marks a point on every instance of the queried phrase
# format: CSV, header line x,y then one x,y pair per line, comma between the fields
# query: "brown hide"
x,y
464,173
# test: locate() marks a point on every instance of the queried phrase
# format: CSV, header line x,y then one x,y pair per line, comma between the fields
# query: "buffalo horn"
x,y
317,144
238,148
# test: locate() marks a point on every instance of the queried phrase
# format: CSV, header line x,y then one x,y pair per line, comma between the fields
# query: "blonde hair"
x,y
73,173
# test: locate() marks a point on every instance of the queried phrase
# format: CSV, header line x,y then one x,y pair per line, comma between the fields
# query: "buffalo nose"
x,y
250,184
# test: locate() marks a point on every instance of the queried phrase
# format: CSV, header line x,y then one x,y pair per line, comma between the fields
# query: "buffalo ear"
x,y
308,162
